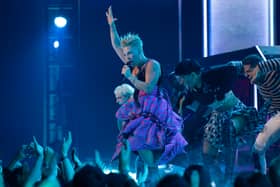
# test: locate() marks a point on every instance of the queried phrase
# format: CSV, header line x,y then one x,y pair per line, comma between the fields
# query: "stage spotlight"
x,y
56,44
60,21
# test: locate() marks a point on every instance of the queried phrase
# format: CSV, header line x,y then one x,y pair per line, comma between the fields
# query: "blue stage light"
x,y
56,44
60,21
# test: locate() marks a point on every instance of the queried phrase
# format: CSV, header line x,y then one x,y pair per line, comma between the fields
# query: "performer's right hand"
x,y
110,17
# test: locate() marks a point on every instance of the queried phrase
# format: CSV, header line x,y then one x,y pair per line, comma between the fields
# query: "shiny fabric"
x,y
151,126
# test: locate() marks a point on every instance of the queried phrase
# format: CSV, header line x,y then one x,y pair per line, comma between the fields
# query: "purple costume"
x,y
151,125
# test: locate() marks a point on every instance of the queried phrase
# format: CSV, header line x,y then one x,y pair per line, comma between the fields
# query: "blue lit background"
x,y
90,107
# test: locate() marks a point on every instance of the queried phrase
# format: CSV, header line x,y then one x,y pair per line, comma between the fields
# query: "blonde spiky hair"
x,y
124,90
131,40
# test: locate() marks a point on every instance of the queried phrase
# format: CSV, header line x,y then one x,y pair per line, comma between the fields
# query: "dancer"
x,y
123,94
226,116
266,75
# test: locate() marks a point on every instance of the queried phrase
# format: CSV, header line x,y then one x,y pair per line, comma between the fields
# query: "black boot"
x,y
256,161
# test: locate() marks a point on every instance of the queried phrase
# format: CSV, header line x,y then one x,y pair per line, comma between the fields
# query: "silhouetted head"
x,y
188,73
172,180
252,179
119,180
197,174
88,176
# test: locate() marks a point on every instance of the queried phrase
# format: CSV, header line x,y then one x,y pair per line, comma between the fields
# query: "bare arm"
x,y
114,35
152,75
20,155
66,163
35,174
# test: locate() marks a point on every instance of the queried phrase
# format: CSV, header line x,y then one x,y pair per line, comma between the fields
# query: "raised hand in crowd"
x,y
36,172
25,151
98,161
75,159
66,144
49,169
68,170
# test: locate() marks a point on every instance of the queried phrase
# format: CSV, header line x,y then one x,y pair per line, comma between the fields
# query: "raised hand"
x,y
36,172
98,160
66,144
66,163
110,17
75,159
37,147
23,152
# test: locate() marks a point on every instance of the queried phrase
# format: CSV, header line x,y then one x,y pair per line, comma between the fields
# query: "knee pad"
x,y
258,149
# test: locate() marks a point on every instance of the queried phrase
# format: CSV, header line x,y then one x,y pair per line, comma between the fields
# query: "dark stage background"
x,y
22,59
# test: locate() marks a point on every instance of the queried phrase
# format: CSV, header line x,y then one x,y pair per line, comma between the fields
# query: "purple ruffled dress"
x,y
151,126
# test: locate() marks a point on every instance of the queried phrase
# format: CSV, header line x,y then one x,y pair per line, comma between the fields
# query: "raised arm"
x,y
115,38
20,155
152,75
36,172
66,163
